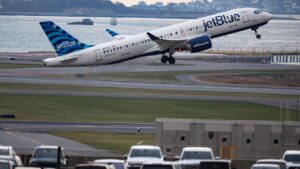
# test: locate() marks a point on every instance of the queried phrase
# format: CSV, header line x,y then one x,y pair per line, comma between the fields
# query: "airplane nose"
x,y
268,16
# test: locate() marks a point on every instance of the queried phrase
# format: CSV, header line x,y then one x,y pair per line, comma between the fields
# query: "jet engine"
x,y
199,44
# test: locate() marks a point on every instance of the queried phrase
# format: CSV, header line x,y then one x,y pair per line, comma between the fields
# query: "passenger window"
x,y
191,29
197,27
176,33
171,34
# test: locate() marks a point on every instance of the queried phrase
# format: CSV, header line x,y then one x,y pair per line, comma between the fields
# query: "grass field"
x,y
115,142
96,109
16,66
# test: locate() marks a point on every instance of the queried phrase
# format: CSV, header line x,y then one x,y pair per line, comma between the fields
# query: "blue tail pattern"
x,y
62,41
111,32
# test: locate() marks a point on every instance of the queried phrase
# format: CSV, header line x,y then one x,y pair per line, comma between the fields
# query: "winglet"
x,y
112,33
152,37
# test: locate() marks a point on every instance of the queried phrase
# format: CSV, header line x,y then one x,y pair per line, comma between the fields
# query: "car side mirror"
x,y
125,156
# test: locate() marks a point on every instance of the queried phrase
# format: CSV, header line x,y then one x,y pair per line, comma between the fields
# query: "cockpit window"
x,y
258,11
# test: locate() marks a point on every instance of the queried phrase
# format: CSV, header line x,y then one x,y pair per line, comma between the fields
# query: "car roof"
x,y
48,147
196,149
265,165
5,147
292,152
144,147
160,163
108,161
271,160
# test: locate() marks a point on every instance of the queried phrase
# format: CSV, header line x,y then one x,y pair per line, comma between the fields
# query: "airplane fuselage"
x,y
141,45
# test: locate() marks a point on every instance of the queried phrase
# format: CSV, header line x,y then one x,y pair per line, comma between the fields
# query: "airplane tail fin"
x,y
112,33
62,41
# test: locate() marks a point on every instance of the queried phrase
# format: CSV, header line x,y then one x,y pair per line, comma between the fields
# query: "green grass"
x,y
115,142
96,109
16,66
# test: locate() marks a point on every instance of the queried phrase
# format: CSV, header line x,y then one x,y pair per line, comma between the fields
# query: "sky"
x,y
134,2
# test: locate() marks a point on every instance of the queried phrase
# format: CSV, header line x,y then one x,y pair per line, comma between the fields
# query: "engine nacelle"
x,y
199,44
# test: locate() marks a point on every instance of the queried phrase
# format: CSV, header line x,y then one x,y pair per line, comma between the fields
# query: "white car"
x,y
140,154
8,153
292,158
5,164
46,156
282,164
94,166
193,155
265,166
161,165
118,164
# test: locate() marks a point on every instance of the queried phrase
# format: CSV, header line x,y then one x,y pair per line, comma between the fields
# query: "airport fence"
x,y
254,50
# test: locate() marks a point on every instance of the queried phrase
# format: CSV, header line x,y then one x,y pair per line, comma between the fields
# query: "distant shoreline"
x,y
164,16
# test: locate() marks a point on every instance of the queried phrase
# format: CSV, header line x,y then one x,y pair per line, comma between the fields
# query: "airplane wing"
x,y
169,44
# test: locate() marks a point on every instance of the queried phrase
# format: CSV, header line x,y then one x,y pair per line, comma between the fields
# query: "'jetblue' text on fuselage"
x,y
220,20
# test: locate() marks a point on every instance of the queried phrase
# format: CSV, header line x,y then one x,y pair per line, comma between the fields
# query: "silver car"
x,y
8,153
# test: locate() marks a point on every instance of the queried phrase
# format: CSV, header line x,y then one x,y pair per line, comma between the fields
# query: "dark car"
x,y
215,164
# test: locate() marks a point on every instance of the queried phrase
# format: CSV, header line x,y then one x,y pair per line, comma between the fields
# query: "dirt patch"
x,y
274,79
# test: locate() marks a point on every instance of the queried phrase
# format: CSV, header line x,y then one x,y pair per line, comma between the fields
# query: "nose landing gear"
x,y
258,36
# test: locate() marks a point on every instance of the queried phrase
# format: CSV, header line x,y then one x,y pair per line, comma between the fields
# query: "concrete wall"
x,y
238,140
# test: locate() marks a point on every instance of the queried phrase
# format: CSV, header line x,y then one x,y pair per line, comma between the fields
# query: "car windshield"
x,y
294,158
4,152
197,155
157,167
4,166
214,166
46,153
145,153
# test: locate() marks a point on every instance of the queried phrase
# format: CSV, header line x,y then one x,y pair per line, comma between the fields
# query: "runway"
x,y
156,86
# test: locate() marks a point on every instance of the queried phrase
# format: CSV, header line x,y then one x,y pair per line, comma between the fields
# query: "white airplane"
x,y
194,36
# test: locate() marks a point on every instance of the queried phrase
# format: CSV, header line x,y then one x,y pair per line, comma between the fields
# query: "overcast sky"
x,y
134,2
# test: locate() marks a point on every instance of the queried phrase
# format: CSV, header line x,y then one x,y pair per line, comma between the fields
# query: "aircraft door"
x,y
245,17
98,55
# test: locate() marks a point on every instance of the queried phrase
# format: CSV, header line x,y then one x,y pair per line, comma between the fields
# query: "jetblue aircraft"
x,y
194,36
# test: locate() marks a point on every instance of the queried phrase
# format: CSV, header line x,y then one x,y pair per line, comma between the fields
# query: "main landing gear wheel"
x,y
172,60
164,59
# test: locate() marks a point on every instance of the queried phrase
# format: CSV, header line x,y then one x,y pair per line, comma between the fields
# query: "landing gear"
x,y
258,36
164,58
170,59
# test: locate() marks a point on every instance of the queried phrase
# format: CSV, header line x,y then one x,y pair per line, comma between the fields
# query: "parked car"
x,y
8,153
46,156
118,164
5,164
215,164
282,164
140,154
160,165
191,156
265,166
292,158
94,166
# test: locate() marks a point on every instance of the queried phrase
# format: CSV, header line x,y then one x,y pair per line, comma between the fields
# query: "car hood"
x,y
6,158
291,164
190,162
140,160
49,160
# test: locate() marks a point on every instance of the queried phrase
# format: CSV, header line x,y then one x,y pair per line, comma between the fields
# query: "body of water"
x,y
23,33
